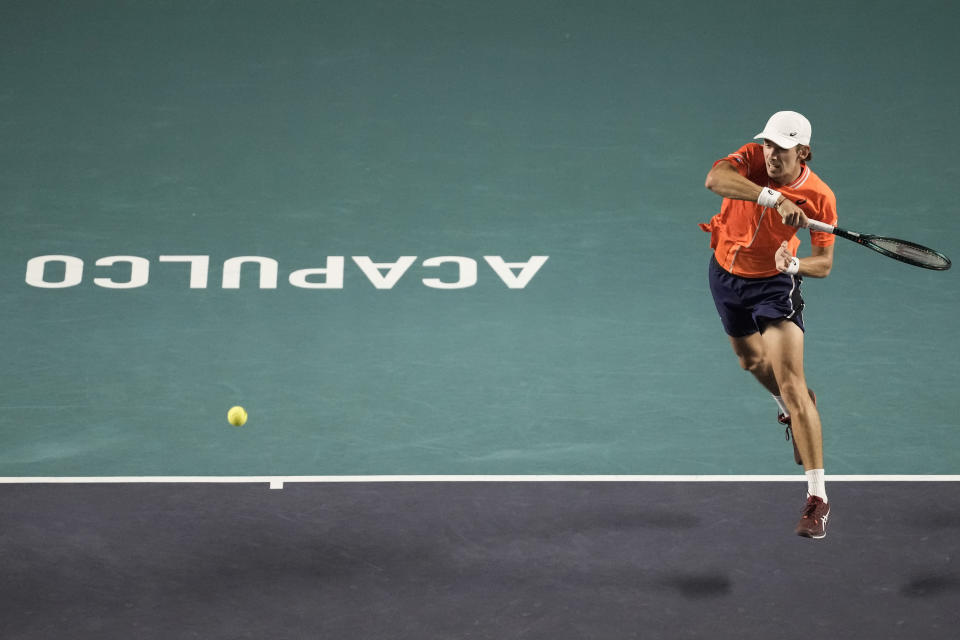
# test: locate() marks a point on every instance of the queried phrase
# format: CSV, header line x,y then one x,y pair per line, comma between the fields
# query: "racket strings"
x,y
911,252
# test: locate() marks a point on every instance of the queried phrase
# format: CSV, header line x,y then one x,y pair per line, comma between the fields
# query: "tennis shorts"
x,y
748,305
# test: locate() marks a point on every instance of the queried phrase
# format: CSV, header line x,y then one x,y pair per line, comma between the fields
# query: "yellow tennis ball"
x,y
237,416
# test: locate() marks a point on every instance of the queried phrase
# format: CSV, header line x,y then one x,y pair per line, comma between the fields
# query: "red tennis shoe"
x,y
813,524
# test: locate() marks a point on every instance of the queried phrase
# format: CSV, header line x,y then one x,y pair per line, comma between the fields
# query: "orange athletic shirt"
x,y
745,236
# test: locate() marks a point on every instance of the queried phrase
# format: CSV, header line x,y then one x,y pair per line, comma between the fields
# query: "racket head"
x,y
908,252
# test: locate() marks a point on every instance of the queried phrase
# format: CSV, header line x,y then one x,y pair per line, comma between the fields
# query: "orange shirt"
x,y
745,236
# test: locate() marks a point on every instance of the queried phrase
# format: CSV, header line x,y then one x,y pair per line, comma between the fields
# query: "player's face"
x,y
783,165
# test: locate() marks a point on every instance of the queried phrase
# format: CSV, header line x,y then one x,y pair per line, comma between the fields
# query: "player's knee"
x,y
794,391
752,362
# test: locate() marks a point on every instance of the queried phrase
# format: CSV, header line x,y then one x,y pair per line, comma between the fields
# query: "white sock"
x,y
816,486
783,407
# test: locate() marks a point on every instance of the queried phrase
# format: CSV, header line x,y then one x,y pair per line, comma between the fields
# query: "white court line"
x,y
277,482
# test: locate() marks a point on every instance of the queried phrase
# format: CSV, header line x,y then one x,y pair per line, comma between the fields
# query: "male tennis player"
x,y
769,192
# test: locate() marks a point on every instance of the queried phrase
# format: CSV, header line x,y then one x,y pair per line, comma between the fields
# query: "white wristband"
x,y
768,198
794,267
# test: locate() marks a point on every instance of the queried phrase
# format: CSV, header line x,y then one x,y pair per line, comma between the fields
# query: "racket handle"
x,y
816,225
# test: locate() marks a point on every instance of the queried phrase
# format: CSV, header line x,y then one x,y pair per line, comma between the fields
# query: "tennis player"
x,y
769,192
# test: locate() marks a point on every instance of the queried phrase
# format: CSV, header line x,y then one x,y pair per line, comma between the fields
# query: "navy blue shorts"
x,y
748,305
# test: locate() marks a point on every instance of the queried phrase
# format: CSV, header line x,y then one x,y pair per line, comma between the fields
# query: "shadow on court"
x,y
476,560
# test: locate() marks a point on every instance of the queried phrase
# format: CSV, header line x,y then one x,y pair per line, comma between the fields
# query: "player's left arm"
x,y
820,262
817,265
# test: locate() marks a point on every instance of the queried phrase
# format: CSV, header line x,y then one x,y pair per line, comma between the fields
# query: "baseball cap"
x,y
787,129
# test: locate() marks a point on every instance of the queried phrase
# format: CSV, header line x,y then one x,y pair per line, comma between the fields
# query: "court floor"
x,y
477,560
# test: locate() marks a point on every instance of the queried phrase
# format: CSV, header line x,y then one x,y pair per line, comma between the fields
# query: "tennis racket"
x,y
909,252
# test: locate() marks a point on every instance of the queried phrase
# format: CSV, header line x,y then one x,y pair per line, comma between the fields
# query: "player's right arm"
x,y
725,181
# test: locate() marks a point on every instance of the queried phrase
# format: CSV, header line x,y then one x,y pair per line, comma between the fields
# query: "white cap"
x,y
787,129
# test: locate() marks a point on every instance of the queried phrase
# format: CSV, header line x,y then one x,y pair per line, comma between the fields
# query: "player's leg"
x,y
783,341
751,353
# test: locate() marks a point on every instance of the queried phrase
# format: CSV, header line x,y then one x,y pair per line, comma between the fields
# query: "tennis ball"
x,y
237,416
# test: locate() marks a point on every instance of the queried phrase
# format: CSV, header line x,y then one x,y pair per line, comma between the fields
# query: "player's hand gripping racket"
x,y
909,252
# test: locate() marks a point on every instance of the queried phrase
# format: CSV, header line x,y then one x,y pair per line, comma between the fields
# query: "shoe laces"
x,y
812,503
788,432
